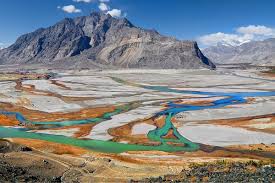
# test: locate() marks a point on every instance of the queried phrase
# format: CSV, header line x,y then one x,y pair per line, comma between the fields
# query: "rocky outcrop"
x,y
100,40
254,53
222,171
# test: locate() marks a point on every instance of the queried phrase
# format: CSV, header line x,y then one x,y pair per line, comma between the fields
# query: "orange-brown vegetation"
x,y
51,147
244,122
195,102
255,147
34,115
8,121
58,83
31,89
124,133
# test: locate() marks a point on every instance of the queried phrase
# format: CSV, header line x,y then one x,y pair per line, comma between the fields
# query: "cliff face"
x,y
101,40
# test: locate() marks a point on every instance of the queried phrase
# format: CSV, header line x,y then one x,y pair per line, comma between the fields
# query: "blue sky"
x,y
207,21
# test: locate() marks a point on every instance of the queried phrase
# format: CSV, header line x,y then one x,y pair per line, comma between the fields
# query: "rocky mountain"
x,y
101,41
254,52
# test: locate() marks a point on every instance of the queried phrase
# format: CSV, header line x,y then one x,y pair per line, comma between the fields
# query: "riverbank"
x,y
20,163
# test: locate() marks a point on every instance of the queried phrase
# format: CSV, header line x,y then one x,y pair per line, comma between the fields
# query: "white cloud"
x,y
114,13
103,7
219,37
242,35
3,45
256,29
70,9
84,1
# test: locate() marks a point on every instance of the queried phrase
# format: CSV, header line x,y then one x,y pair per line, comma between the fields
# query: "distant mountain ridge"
x,y
254,53
101,41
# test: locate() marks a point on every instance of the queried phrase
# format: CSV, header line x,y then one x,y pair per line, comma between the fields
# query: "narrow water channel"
x,y
166,144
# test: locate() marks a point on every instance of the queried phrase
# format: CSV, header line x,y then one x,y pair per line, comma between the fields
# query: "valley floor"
x,y
136,125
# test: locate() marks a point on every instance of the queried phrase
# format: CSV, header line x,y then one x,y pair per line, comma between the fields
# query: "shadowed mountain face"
x,y
101,41
255,53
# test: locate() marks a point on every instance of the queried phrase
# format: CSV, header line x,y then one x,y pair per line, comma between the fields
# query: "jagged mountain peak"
x,y
100,39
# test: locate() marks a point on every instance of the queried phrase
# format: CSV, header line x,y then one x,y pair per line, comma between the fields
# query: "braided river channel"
x,y
165,144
